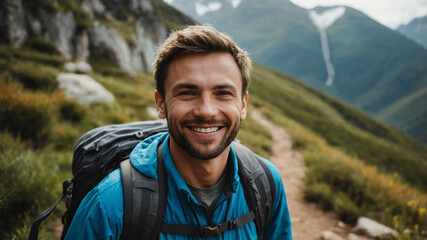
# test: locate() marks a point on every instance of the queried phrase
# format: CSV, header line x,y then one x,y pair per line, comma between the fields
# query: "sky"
x,y
390,13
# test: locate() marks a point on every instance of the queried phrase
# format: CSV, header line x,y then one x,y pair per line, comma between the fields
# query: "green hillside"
x,y
343,126
374,65
56,123
405,114
355,164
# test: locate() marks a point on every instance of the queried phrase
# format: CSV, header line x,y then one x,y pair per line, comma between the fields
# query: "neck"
x,y
198,173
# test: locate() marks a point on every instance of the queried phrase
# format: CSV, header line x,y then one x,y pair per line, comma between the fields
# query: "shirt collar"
x,y
179,182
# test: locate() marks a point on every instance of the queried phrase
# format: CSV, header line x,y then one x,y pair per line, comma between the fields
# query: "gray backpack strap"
x,y
144,201
258,185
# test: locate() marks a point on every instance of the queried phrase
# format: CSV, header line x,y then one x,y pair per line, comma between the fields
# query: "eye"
x,y
186,93
224,93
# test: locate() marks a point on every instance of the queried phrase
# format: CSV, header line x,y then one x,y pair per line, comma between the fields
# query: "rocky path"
x,y
308,220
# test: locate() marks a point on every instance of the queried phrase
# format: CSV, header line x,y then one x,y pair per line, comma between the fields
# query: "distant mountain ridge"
x,y
416,30
374,66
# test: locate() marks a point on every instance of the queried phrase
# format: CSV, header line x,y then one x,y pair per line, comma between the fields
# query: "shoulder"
x,y
110,190
99,215
108,194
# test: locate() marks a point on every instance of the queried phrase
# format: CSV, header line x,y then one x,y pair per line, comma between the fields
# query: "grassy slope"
x,y
407,114
342,126
26,84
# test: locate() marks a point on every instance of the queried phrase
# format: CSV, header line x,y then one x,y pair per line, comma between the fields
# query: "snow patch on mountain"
x,y
235,3
202,9
322,21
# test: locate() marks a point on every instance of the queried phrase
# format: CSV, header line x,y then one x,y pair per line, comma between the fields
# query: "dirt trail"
x,y
308,220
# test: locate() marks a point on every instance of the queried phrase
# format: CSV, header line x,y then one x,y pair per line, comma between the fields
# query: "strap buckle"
x,y
210,231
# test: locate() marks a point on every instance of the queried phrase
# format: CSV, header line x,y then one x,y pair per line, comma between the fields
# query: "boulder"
x,y
353,236
78,67
329,235
83,67
70,67
83,88
372,228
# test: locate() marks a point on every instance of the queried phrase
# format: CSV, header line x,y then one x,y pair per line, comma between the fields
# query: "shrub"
x,y
42,45
352,188
25,114
71,110
25,186
35,76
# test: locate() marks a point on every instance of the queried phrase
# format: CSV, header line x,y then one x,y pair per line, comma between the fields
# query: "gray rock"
x,y
60,30
70,67
353,236
12,22
372,228
137,6
35,26
93,7
78,67
81,46
83,67
111,44
83,88
149,36
329,235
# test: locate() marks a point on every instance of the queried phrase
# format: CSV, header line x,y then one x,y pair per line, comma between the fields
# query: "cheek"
x,y
232,109
178,109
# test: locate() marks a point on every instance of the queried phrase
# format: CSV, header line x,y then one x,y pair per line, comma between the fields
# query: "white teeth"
x,y
206,130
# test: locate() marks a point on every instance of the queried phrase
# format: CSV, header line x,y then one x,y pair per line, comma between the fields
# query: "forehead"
x,y
204,70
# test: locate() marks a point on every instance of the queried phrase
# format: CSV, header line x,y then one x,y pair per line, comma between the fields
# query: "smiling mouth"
x,y
205,130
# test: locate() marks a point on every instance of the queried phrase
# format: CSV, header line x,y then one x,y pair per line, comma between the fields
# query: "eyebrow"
x,y
184,86
195,87
225,86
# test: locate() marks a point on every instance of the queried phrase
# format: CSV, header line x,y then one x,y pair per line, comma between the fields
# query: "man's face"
x,y
203,104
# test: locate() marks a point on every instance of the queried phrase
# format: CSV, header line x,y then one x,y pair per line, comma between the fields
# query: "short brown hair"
x,y
198,40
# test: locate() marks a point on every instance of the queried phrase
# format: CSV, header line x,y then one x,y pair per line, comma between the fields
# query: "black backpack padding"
x,y
101,150
98,152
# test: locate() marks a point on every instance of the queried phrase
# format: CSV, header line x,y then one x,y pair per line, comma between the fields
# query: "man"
x,y
201,79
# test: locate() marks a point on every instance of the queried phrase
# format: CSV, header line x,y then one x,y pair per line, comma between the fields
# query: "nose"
x,y
206,107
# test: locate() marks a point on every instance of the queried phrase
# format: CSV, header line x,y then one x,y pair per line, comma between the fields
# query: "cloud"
x,y
391,13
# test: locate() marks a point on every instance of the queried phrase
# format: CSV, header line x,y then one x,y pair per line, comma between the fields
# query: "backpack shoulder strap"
x,y
144,201
258,185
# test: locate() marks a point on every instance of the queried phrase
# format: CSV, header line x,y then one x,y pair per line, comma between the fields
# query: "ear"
x,y
160,104
244,106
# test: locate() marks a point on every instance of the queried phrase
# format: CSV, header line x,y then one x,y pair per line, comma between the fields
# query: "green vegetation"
x,y
39,127
351,188
356,166
342,126
60,6
28,180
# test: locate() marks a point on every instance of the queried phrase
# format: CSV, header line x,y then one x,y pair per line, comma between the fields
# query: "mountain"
x,y
359,60
124,32
355,165
416,30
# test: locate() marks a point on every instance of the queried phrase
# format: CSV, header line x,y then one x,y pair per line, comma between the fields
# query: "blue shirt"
x,y
100,214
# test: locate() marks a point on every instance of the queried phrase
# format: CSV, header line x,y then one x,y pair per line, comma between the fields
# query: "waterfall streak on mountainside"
x,y
322,22
327,56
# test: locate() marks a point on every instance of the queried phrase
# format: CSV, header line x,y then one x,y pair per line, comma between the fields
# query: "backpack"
x,y
104,149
